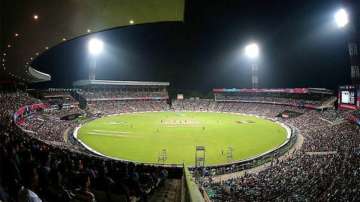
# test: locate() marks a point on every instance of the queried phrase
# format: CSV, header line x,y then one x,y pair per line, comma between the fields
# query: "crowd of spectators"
x,y
333,177
47,128
334,116
62,96
192,105
34,170
64,111
295,99
117,107
12,101
123,93
326,167
267,110
31,170
305,176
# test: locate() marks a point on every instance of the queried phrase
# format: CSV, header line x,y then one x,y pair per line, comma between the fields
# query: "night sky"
x,y
300,47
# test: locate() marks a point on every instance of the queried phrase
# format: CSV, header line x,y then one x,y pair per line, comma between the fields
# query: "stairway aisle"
x,y
170,191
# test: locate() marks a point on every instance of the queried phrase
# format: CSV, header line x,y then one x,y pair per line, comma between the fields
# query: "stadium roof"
x,y
83,83
30,28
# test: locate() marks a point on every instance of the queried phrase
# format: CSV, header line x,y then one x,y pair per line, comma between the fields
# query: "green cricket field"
x,y
172,137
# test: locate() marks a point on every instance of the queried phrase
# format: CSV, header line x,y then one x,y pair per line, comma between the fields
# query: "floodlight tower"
x,y
95,47
252,52
342,20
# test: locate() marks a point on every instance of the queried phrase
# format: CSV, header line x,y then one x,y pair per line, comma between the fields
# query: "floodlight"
x,y
95,46
341,18
252,50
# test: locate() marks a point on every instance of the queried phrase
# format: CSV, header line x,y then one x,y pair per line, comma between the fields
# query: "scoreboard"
x,y
349,97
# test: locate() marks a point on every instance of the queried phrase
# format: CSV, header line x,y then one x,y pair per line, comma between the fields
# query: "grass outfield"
x,y
142,136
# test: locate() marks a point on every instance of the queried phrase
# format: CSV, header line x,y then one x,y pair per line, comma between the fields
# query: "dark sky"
x,y
300,47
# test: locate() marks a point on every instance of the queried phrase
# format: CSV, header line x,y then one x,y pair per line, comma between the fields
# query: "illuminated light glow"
x,y
252,51
131,22
31,58
64,39
46,48
16,34
36,17
341,18
36,53
95,46
89,30
9,46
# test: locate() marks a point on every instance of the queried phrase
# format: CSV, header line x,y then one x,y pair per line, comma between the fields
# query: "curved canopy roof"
x,y
29,28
